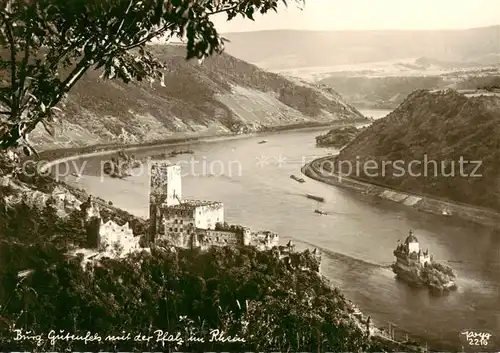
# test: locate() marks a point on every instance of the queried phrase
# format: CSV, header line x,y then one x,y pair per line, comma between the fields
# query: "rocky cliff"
x,y
419,147
222,95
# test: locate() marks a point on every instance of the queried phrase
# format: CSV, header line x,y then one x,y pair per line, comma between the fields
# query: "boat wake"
x,y
343,258
333,213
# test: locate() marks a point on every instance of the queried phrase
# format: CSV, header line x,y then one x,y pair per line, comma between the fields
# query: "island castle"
x,y
417,267
409,253
193,223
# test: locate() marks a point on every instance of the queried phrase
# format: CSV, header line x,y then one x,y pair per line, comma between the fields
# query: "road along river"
x,y
357,236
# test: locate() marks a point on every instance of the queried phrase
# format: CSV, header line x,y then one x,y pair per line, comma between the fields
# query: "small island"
x,y
417,267
338,137
120,165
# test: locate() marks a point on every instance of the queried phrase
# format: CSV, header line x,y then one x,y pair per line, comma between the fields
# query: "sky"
x,y
371,15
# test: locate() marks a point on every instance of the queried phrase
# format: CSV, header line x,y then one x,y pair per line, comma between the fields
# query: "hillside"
x,y
443,126
222,95
388,92
287,49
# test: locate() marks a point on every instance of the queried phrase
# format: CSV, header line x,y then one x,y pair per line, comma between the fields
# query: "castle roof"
x,y
192,204
411,238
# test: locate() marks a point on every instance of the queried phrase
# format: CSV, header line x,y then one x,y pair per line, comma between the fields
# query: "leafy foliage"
x,y
230,227
269,302
50,44
26,224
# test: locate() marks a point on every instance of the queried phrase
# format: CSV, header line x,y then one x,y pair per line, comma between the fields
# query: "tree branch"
x,y
70,81
148,38
123,19
13,54
22,72
64,87
61,55
233,7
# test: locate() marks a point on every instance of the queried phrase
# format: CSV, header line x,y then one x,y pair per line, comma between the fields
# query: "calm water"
x,y
357,236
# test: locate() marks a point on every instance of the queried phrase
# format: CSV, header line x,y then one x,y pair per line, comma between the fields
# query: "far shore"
x,y
61,155
423,203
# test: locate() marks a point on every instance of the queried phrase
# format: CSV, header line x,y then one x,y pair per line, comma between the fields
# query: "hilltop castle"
x,y
193,223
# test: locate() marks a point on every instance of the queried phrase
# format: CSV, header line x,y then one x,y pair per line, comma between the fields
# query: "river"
x,y
357,236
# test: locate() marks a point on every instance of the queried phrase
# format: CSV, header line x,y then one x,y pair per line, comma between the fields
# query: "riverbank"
x,y
71,153
379,334
422,203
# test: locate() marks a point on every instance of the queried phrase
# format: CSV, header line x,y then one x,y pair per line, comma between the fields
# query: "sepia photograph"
x,y
250,176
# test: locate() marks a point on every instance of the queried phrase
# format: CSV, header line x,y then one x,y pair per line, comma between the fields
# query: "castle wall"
x,y
413,247
206,216
178,226
113,234
177,220
416,261
264,240
402,261
425,259
183,239
208,238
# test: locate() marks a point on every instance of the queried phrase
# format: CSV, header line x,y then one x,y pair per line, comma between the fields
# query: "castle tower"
x,y
165,184
92,223
164,189
247,236
317,256
411,243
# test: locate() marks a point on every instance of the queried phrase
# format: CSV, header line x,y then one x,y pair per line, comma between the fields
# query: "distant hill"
x,y
443,126
381,92
222,95
387,92
287,49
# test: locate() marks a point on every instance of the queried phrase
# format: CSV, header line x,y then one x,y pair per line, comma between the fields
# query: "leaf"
x,y
250,12
26,151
